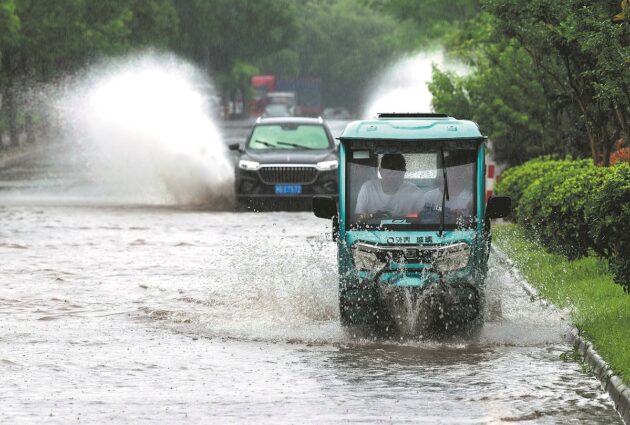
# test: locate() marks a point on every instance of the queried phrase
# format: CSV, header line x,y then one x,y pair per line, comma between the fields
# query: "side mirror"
x,y
234,147
324,207
499,207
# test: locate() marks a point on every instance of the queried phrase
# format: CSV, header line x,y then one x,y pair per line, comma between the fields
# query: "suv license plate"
x,y
288,189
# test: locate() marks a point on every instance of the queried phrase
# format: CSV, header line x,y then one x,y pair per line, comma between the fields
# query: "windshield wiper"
x,y
445,195
262,142
295,145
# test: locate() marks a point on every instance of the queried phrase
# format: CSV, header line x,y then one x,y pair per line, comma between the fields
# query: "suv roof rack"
x,y
410,115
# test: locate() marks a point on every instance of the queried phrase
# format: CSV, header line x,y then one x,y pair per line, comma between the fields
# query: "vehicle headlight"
x,y
328,165
244,164
452,258
365,260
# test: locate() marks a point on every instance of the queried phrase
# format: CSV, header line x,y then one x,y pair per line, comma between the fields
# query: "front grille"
x,y
303,175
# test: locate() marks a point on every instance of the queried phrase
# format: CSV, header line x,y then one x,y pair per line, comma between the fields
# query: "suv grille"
x,y
272,175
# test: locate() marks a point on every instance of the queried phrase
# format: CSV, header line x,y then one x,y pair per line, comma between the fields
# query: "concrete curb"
x,y
612,384
618,392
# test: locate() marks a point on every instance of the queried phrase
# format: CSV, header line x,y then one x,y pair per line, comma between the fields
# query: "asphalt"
x,y
611,383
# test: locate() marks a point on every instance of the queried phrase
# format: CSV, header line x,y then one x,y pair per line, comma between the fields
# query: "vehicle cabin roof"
x,y
411,127
289,120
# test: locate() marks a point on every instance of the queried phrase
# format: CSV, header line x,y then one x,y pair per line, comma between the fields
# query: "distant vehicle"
x,y
412,222
288,100
308,93
336,113
284,159
277,110
261,85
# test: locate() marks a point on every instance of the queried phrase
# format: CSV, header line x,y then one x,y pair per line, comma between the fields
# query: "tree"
x,y
581,52
342,43
219,33
547,78
434,18
46,40
10,24
154,23
504,94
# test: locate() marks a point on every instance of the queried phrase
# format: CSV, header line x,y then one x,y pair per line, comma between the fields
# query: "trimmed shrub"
x,y
567,229
608,215
529,210
573,207
515,180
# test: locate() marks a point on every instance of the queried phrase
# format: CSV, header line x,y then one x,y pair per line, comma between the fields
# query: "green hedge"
x,y
568,232
608,216
573,208
532,212
515,180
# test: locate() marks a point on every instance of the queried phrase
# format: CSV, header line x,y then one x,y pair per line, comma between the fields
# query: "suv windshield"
x,y
402,185
289,136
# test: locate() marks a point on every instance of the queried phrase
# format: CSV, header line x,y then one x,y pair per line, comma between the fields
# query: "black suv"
x,y
285,162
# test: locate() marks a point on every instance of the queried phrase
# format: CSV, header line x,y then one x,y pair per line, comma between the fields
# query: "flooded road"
x,y
127,313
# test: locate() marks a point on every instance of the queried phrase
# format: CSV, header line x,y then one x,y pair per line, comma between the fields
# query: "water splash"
x,y
403,87
144,126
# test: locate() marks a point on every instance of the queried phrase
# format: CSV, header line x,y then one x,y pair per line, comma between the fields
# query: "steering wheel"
x,y
381,214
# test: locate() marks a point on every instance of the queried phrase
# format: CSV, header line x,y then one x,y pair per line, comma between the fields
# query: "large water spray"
x,y
403,86
144,125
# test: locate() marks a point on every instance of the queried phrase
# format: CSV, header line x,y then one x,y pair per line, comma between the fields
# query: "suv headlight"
x,y
244,164
328,165
366,260
452,258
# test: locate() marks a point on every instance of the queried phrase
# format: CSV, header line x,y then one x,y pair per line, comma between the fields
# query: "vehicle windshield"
x,y
402,186
289,136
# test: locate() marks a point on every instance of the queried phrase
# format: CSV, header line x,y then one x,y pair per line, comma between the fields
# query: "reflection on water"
x,y
162,315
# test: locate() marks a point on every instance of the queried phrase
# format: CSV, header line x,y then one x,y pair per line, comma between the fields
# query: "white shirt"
x,y
408,199
462,202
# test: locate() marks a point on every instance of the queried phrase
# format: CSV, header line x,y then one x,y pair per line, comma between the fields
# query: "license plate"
x,y
288,189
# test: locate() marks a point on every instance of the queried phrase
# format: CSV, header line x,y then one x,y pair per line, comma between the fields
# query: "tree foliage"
x,y
548,77
41,41
54,38
340,42
434,18
9,22
583,53
221,33
343,42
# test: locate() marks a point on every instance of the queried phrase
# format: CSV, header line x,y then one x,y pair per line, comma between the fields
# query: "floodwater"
x,y
130,291
166,314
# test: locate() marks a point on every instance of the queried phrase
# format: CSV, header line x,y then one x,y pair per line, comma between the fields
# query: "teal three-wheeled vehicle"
x,y
412,224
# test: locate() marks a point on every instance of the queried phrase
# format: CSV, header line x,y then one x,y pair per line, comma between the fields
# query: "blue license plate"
x,y
288,189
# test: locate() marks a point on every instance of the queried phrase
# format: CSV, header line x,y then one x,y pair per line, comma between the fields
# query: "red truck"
x,y
308,92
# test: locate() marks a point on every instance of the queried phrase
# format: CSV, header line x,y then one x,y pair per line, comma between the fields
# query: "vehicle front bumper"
x,y
262,183
415,266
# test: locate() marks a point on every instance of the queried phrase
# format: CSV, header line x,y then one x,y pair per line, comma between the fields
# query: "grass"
x,y
600,309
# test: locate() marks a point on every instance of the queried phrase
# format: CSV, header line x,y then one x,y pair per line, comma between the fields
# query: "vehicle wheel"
x,y
242,204
361,306
464,312
247,204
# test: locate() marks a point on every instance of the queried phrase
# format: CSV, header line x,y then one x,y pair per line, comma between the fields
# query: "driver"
x,y
391,194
